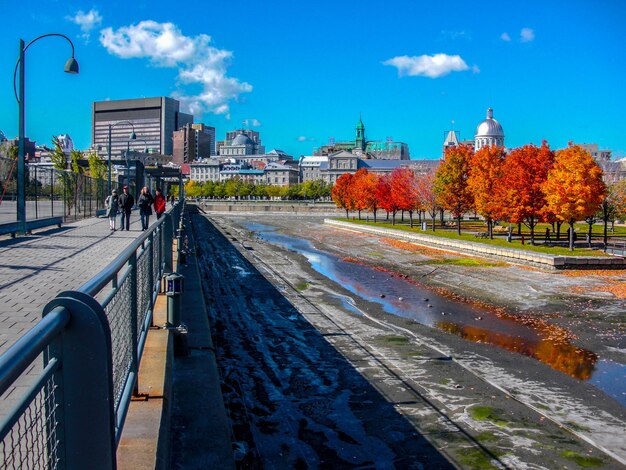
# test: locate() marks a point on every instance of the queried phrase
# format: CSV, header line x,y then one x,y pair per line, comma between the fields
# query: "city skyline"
x,y
300,76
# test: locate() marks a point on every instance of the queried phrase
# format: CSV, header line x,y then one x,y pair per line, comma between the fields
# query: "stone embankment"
x,y
319,208
510,255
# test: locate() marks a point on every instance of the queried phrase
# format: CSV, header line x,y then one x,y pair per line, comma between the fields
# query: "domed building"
x,y
489,132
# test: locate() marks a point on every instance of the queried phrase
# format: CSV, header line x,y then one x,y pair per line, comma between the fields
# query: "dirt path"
x,y
312,384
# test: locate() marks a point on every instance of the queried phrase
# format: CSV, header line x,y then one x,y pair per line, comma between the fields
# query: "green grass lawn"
x,y
469,228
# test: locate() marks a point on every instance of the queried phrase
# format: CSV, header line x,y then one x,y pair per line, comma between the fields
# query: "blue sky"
x,y
301,72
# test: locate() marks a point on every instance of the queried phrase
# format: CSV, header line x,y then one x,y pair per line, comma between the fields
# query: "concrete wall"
x,y
509,255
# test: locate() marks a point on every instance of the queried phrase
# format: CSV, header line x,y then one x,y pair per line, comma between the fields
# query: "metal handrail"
x,y
26,349
82,396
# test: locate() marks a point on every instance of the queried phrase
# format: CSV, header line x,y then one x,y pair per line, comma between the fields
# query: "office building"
x,y
192,142
153,119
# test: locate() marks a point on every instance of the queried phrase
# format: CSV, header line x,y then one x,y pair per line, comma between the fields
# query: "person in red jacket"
x,y
159,203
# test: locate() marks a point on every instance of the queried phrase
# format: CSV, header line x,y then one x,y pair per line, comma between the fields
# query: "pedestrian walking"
x,y
172,199
159,203
145,202
126,202
112,206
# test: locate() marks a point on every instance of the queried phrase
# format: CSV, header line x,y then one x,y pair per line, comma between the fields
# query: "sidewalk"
x,y
35,268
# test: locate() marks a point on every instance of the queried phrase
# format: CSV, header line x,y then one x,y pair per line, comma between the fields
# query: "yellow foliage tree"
x,y
574,188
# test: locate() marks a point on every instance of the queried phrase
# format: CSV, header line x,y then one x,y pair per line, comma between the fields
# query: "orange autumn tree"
x,y
451,182
524,172
355,191
574,188
342,193
485,173
403,191
365,184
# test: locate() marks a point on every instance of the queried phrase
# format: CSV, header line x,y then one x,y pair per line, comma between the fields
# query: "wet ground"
x,y
500,367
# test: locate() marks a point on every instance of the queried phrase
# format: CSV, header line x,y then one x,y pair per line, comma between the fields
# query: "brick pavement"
x,y
35,268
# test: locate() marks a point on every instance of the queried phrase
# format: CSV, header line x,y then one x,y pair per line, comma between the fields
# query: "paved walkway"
x,y
35,268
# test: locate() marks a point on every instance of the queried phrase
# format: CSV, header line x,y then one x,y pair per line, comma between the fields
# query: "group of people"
x,y
123,204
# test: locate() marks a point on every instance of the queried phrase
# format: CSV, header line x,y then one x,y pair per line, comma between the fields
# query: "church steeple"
x,y
360,134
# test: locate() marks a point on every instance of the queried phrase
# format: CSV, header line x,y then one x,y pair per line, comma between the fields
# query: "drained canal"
x,y
402,296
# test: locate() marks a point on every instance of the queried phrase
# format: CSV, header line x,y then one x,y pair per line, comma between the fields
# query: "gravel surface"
x,y
316,377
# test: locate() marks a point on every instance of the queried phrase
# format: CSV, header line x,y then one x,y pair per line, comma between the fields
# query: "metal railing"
x,y
50,193
72,414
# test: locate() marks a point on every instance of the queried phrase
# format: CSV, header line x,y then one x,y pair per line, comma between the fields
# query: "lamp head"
x,y
133,136
71,66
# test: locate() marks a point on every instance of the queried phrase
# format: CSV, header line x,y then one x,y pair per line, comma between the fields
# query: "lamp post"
x,y
132,136
71,66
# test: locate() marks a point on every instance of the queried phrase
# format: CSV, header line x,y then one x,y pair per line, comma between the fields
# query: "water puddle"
x,y
407,299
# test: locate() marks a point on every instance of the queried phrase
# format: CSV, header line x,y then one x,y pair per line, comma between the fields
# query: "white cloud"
x,y
302,138
196,60
505,37
251,123
527,35
455,34
432,66
87,21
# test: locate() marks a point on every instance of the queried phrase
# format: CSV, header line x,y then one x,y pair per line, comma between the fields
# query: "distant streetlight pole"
x,y
71,66
132,136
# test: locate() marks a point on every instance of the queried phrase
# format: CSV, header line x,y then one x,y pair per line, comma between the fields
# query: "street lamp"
x,y
71,66
132,136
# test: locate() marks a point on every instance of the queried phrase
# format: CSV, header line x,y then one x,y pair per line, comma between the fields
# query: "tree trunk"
x,y
441,216
519,229
571,236
458,225
374,211
347,214
605,219
393,218
490,228
558,230
359,214
531,225
411,219
402,216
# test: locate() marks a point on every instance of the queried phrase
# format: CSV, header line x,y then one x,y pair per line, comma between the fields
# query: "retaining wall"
x,y
509,255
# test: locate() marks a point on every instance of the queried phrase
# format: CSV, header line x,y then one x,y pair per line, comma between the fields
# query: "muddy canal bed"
x,y
469,385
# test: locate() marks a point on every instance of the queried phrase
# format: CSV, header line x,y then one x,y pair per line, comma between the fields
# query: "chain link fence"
x,y
50,193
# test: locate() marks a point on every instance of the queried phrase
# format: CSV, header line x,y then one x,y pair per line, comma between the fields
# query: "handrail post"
x,y
85,407
168,229
134,298
151,284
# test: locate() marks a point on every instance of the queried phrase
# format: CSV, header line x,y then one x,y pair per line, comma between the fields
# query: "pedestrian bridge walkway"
x,y
35,268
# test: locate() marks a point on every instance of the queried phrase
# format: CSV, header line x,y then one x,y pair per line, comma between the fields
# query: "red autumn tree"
x,y
365,191
451,182
574,188
403,191
425,184
342,193
485,173
383,194
524,172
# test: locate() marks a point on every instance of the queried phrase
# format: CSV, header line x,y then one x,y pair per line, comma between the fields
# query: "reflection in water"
x,y
577,362
408,298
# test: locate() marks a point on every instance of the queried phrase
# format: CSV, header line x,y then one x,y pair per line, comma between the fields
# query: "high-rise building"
x,y
153,119
192,142
205,138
